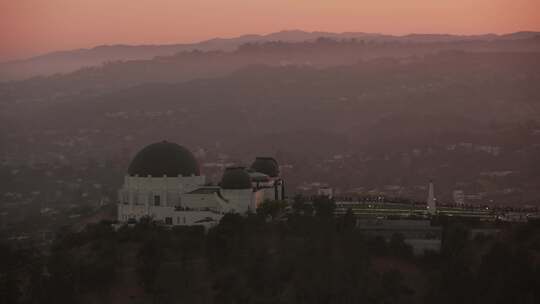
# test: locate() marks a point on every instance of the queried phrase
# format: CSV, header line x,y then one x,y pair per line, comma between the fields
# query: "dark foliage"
x,y
250,259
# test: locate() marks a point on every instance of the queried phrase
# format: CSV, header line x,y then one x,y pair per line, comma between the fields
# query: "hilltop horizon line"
x,y
278,35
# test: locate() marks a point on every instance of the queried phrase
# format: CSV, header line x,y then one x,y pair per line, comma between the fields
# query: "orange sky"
x,y
30,27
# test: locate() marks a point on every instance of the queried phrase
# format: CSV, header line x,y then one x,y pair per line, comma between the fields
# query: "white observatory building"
x,y
164,183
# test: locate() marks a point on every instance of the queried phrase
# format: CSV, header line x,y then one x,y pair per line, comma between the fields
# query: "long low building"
x,y
164,183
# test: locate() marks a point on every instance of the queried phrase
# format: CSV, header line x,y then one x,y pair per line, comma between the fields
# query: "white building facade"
x,y
164,184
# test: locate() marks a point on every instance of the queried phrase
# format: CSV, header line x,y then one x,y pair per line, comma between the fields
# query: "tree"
x,y
224,242
10,291
299,204
348,220
63,284
271,209
505,275
148,265
393,286
324,207
455,240
398,246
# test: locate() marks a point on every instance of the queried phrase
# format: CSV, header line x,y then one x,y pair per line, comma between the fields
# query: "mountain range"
x,y
72,60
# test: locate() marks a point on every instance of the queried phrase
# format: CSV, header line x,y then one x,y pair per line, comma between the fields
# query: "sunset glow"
x,y
31,27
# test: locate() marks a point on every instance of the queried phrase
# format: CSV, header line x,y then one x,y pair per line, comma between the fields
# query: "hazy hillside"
x,y
390,121
185,66
71,60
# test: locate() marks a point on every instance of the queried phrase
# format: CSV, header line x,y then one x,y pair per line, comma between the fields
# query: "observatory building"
x,y
164,183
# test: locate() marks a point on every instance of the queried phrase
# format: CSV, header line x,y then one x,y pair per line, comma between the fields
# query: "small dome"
x,y
236,178
266,165
164,158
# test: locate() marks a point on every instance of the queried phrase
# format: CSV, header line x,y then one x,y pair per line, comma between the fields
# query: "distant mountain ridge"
x,y
71,60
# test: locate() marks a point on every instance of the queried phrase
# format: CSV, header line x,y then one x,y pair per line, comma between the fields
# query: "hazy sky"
x,y
29,27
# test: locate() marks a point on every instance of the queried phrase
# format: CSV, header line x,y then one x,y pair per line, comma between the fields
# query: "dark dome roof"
x,y
164,158
235,178
266,165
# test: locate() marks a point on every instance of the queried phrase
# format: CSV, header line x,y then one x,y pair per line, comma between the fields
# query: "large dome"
x,y
236,178
164,158
266,165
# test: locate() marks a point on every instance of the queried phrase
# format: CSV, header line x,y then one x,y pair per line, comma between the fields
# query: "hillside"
x,y
71,60
190,65
301,259
457,116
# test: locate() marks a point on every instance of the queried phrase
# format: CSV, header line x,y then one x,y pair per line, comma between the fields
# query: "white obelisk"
x,y
431,206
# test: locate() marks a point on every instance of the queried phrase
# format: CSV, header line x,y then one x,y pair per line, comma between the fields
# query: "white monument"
x,y
431,204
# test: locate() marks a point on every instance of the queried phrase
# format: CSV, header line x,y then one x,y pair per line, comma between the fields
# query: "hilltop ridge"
x,y
66,61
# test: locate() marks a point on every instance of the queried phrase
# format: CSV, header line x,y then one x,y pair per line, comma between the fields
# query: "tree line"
x,y
302,256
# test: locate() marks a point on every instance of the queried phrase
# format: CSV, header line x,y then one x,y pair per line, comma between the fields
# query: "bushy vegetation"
x,y
308,256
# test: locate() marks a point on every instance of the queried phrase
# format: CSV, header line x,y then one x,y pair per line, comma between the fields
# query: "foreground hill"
x,y
299,259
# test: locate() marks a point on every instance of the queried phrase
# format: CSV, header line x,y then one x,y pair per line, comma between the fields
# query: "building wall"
x,y
459,197
144,192
139,195
240,200
258,199
141,190
272,190
158,213
204,201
